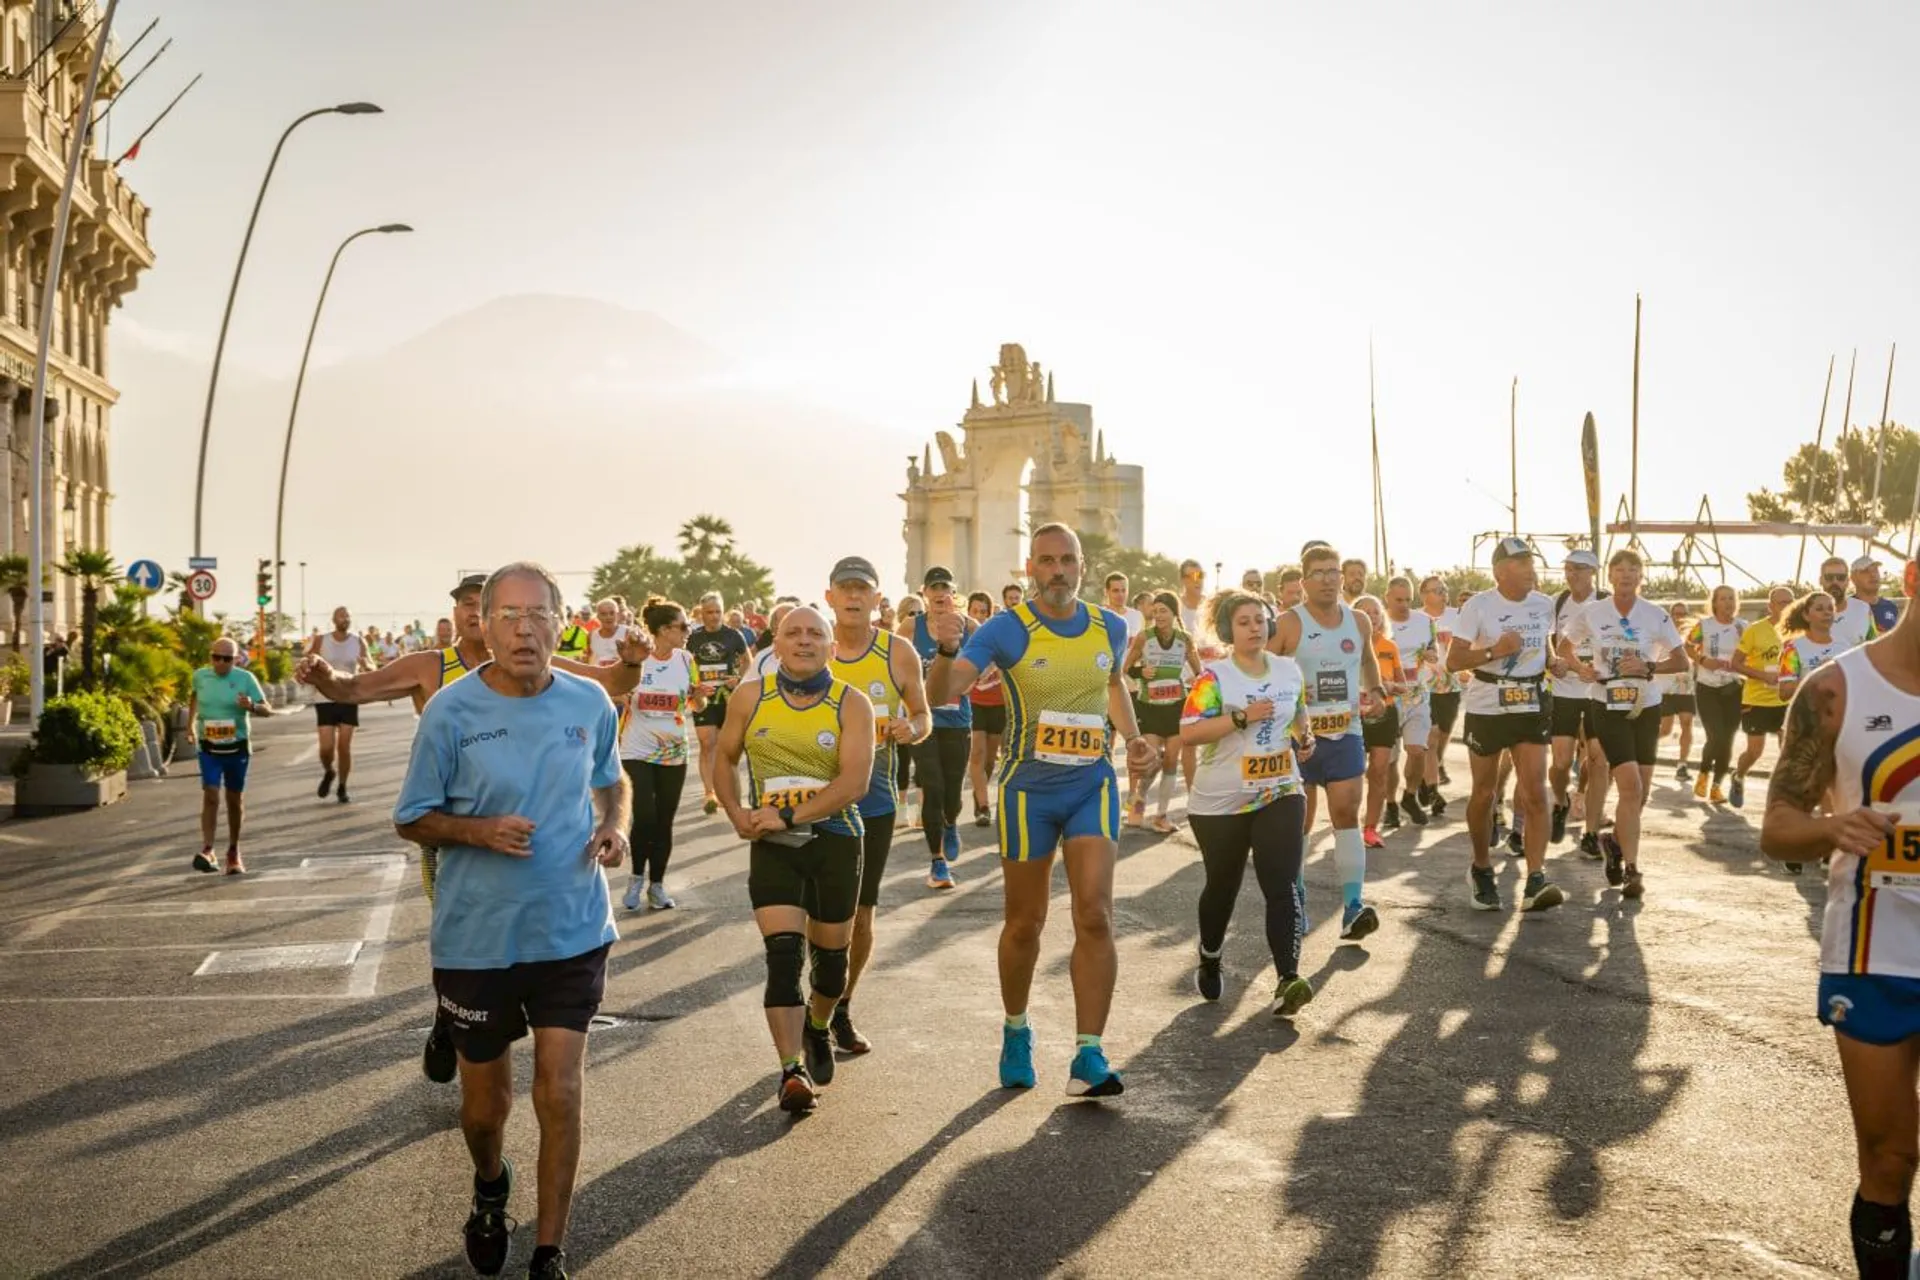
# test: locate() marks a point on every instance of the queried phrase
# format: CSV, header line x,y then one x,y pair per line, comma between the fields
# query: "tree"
x,y
1832,502
14,571
1145,570
712,563
93,569
704,541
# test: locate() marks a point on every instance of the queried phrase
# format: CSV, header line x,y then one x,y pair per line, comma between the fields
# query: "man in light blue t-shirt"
x,y
222,700
515,777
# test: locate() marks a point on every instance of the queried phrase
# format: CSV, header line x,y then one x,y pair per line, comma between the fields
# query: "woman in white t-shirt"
x,y
653,749
1246,720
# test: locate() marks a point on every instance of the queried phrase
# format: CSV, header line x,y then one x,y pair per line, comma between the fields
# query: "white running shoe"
x,y
636,885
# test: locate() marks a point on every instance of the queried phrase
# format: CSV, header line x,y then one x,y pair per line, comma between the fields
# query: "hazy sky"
x,y
1195,220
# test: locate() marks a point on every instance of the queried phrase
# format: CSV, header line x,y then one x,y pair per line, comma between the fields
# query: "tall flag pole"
x,y
1879,453
1813,472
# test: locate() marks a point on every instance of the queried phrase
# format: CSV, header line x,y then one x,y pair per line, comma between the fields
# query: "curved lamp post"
x,y
233,291
286,452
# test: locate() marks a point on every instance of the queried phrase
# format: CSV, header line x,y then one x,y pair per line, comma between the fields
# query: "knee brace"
x,y
784,962
830,971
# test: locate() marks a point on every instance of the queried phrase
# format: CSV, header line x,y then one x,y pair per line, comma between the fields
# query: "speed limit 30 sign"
x,y
200,586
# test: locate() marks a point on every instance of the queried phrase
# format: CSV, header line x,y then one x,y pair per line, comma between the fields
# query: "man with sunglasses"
x,y
222,700
1853,624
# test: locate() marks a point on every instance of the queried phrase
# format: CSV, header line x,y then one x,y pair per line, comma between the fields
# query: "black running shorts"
x,y
990,720
488,1009
1446,710
1760,721
1490,735
336,713
1573,716
1628,739
822,877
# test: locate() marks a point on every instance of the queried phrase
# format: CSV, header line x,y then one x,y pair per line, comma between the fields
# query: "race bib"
x,y
715,675
1062,737
1519,699
1896,863
1164,691
882,717
790,793
1262,772
1329,686
656,703
1623,697
1330,724
221,733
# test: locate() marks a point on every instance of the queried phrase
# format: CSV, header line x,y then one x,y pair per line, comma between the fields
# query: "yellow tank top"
x,y
792,752
1057,700
452,666
872,674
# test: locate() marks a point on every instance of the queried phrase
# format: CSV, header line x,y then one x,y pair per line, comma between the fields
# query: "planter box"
x,y
63,788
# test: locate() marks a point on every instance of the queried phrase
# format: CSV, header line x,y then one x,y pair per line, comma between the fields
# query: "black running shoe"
x,y
1499,836
551,1267
1486,891
1435,802
203,861
1794,868
1559,832
342,797
796,1091
438,1061
1390,819
1616,859
1516,842
1415,814
326,784
846,1036
982,818
1590,846
489,1230
818,1046
1206,978
1445,781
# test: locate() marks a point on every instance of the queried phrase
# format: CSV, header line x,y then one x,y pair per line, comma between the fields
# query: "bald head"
x,y
802,642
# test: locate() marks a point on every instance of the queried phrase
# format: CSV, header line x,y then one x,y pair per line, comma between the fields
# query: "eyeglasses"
x,y
1324,575
221,657
539,617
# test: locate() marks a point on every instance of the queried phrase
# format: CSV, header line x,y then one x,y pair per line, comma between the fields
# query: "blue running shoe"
x,y
950,844
1091,1077
1016,1058
1357,921
940,875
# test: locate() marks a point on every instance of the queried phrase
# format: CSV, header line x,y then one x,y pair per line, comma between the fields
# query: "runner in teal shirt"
x,y
224,699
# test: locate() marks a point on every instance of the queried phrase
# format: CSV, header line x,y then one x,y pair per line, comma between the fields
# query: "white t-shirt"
x,y
1645,630
1250,768
653,724
1136,622
1717,639
1418,639
1446,624
1480,623
1571,685
603,650
1853,626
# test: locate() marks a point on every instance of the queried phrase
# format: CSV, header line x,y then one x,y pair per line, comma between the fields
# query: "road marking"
x,y
381,860
211,907
46,924
311,753
306,955
366,965
238,995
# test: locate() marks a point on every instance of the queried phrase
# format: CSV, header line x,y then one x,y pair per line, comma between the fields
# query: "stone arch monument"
x,y
965,511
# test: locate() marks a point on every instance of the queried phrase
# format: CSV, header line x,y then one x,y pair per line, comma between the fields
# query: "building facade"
x,y
46,50
1023,459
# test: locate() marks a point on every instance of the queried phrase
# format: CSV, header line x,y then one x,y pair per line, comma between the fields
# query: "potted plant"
x,y
78,756
14,679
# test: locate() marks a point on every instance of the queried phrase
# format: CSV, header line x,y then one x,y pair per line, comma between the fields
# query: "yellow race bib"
x,y
1330,723
1063,737
790,793
1260,772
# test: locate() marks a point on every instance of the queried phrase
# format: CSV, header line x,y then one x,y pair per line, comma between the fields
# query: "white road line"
x,y
158,999
7,952
311,753
212,907
366,966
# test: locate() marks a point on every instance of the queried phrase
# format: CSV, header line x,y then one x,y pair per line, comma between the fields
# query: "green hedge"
x,y
96,731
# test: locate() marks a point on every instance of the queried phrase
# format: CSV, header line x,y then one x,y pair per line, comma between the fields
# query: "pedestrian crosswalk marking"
x,y
309,955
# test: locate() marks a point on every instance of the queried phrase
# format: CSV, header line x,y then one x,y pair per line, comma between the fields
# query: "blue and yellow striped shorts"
x,y
1034,821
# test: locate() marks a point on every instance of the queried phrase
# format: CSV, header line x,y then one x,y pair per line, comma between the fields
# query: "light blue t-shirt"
x,y
222,727
478,753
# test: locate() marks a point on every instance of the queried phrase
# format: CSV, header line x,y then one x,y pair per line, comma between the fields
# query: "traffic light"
x,y
263,583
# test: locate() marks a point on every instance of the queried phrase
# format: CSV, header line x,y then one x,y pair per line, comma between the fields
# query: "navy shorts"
x,y
225,771
1871,1007
1034,821
489,1009
1334,760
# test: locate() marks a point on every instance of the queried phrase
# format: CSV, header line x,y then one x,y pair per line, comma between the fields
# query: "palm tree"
x,y
704,539
13,579
94,569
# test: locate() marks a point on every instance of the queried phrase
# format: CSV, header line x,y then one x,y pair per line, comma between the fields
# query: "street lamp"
x,y
233,291
286,452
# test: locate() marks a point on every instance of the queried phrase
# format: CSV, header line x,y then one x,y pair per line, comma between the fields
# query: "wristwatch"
x,y
945,652
786,816
1238,717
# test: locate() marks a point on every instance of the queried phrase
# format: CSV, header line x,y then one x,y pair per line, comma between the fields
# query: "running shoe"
x,y
342,796
709,805
1371,839
1486,892
1415,814
1445,781
1516,841
1436,803
657,899
1635,886
1794,868
950,844
326,784
796,1091
1540,893
1091,1077
234,865
437,1061
1499,836
203,861
1716,796
1700,783
1590,846
1682,773
982,817
816,1044
846,1036
1137,814
1293,993
489,1231
1016,1058
1357,920
1559,831
1390,819
551,1267
1737,792
636,885
1206,978
940,876
1616,859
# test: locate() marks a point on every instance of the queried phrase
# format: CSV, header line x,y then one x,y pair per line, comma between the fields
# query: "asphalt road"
x,y
1611,1089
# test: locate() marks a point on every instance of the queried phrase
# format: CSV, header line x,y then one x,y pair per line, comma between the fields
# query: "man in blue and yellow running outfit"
x,y
1060,661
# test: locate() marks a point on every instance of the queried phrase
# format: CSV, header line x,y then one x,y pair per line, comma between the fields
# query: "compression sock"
x,y
816,1024
1882,1239
790,1062
1166,791
1349,863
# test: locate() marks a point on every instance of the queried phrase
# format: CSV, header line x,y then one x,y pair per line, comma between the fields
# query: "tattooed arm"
x,y
1791,831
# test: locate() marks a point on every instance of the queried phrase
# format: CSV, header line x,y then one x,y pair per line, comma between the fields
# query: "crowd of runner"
x,y
859,716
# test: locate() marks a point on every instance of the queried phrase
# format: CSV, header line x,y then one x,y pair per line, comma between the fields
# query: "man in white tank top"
x,y
336,721
1848,785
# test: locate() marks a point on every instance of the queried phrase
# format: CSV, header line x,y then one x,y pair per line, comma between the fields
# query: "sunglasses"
x,y
221,657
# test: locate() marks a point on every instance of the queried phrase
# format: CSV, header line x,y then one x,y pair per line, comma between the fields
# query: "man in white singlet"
x,y
603,642
336,721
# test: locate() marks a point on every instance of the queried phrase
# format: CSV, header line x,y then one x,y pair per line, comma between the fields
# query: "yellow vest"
x,y
872,674
792,752
1057,699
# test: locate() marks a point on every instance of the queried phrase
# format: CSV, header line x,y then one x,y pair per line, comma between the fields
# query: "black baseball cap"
x,y
937,577
854,569
472,582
